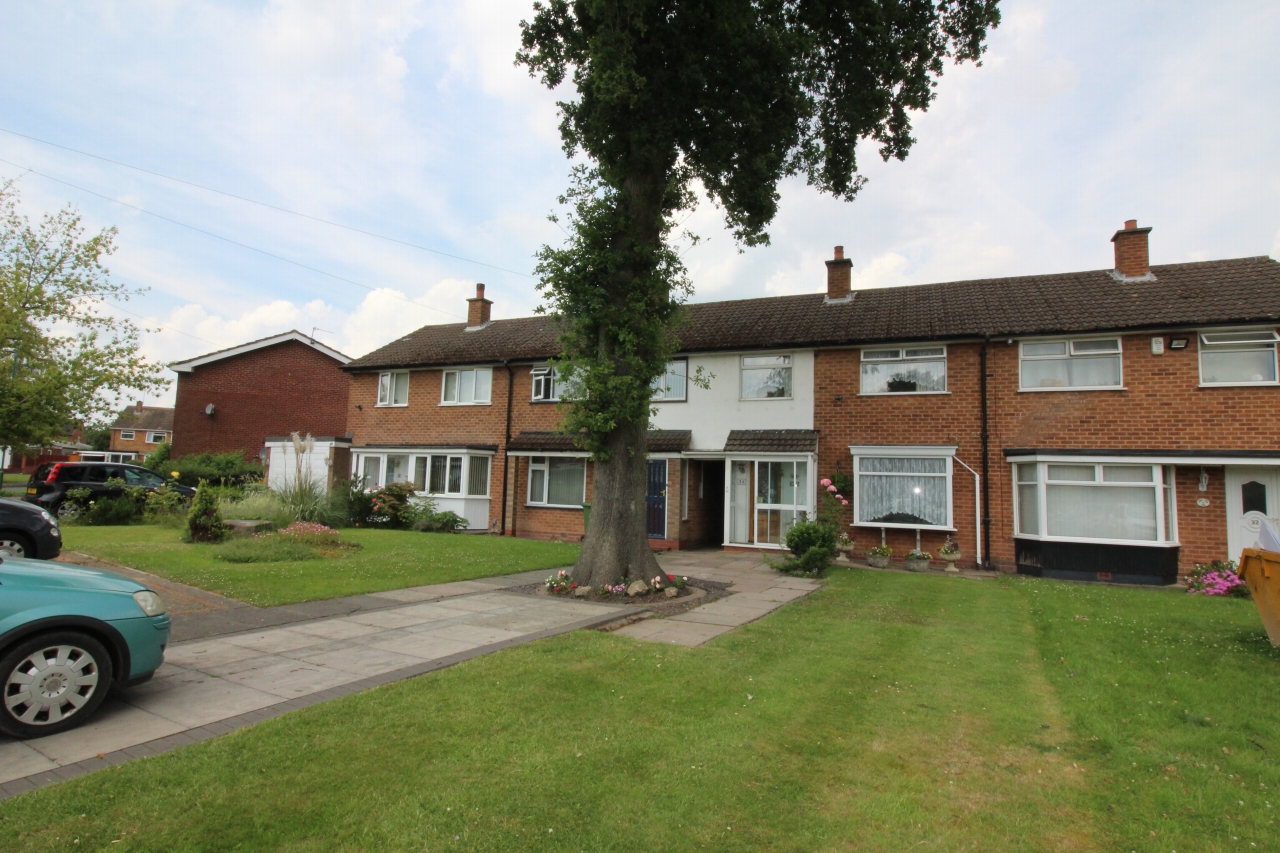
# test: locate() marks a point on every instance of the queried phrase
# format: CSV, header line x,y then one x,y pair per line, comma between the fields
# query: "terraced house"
x,y
1117,423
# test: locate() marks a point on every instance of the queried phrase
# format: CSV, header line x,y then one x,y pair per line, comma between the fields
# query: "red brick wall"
x,y
267,392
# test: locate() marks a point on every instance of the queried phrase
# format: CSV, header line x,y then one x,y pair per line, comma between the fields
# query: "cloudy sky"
x,y
409,120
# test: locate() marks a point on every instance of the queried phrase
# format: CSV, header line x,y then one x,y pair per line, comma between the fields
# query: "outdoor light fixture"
x,y
208,410
1178,343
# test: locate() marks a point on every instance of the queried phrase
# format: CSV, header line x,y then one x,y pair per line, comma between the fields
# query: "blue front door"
x,y
656,499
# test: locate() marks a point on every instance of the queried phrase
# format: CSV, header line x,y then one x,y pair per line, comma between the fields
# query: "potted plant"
x,y
950,552
878,556
844,545
917,560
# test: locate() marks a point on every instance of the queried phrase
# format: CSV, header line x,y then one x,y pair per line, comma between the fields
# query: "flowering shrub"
x,y
559,583
618,589
831,505
1217,578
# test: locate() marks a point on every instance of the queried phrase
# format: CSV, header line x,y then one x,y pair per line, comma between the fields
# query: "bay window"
x,y
557,481
766,377
430,473
1238,358
903,487
466,387
393,388
671,385
1070,364
908,370
1095,502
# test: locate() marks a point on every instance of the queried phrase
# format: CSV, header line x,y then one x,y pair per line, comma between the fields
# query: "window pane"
x,y
904,377
537,485
478,476
1082,473
1238,365
1253,497
765,360
372,468
484,385
758,383
926,352
1094,512
1239,337
439,466
675,380
420,473
397,469
768,483
1096,372
1104,345
902,500
384,389
1027,472
905,465
788,483
1051,348
455,475
451,386
1127,474
401,396
802,484
881,354
1029,509
466,386
565,481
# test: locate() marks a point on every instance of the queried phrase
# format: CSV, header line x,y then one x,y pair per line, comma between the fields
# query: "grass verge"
x,y
388,559
886,712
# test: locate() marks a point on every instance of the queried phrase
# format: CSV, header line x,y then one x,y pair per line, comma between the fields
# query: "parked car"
x,y
68,635
50,483
28,531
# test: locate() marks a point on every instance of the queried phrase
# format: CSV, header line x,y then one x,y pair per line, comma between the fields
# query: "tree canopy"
x,y
63,359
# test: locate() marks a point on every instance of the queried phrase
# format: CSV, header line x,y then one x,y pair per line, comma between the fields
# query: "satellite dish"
x,y
208,410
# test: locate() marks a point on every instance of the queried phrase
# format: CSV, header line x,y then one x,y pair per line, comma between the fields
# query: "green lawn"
x,y
15,479
888,712
390,559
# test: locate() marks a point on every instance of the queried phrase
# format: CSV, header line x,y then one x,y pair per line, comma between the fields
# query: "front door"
x,y
1253,494
656,499
740,503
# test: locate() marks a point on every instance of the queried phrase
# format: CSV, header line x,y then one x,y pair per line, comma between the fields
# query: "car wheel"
x,y
52,683
16,545
67,510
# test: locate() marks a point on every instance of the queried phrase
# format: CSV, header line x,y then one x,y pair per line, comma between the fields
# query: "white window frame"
x,y
904,355
743,368
1118,354
548,377
156,437
545,467
127,435
449,454
661,391
904,452
1162,482
457,386
1266,338
684,489
386,389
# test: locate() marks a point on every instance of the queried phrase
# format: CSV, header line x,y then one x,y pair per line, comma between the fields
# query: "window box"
x,y
903,487
470,387
393,388
1089,364
905,370
766,377
557,481
1238,358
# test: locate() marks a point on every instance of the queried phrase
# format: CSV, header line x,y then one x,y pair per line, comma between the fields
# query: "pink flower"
x,y
832,489
846,503
824,482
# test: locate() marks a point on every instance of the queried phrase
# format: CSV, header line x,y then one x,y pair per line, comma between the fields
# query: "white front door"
x,y
1253,493
740,503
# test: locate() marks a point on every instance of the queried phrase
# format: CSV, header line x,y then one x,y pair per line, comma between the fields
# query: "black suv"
x,y
28,531
50,483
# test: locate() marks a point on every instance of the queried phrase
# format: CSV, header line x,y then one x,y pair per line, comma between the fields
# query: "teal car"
x,y
68,636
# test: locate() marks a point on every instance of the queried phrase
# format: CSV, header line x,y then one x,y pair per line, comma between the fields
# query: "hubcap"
x,y
9,548
50,685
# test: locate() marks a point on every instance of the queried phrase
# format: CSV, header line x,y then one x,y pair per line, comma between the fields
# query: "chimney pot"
x,y
478,308
839,276
839,252
1133,259
139,406
480,290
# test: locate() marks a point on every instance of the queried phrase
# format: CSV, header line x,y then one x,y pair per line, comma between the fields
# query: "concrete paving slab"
x,y
426,646
115,726
642,630
387,618
18,760
202,654
275,640
412,594
292,678
730,620
478,635
687,633
363,661
335,629
775,594
195,704
222,670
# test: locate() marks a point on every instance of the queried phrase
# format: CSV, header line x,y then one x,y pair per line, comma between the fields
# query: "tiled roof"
x,y
191,364
1210,292
150,418
771,441
660,441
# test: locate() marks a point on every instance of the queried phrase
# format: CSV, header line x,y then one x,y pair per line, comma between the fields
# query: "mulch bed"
x,y
658,605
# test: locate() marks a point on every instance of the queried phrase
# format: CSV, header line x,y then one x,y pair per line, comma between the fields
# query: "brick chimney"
x,y
138,408
1132,257
839,276
478,309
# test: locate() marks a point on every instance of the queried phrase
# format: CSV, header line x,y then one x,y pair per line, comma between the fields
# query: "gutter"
x,y
986,456
506,457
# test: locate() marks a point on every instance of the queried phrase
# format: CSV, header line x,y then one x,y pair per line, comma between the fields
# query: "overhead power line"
x,y
157,325
229,240
265,204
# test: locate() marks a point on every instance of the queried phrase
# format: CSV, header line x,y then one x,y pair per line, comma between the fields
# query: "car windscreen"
x,y
142,477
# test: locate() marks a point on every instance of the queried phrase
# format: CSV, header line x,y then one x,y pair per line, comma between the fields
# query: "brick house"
x,y
234,399
1111,423
140,430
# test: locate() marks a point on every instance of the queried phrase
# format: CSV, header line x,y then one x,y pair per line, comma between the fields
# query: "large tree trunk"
x,y
616,547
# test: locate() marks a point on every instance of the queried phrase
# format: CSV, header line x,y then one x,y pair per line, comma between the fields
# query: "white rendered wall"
x,y
282,464
710,413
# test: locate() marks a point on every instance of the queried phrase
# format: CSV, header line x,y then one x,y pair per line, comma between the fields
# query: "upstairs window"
x,y
1238,358
912,370
126,435
544,385
467,387
155,437
766,377
393,388
1078,364
672,384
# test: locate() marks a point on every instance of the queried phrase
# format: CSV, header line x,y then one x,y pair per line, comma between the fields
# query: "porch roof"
x,y
771,441
659,441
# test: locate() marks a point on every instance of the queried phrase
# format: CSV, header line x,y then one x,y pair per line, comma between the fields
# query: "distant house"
x,y
138,431
234,399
